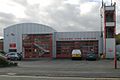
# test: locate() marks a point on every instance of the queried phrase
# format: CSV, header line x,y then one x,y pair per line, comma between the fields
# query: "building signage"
x,y
77,39
110,50
12,45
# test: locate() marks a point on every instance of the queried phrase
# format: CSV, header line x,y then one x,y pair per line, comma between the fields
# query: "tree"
x,y
117,37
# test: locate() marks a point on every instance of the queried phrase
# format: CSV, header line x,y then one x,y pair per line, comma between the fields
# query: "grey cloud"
x,y
21,2
6,18
64,16
59,15
69,18
33,11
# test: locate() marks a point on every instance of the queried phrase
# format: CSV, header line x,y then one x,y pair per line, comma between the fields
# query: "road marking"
x,y
11,73
46,77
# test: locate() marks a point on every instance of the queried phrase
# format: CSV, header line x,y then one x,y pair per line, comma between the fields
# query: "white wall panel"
x,y
23,28
110,47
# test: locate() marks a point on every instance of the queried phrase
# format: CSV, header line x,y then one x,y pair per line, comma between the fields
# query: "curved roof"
x,y
30,28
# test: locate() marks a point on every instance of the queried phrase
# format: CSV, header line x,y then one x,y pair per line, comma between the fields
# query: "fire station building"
x,y
35,40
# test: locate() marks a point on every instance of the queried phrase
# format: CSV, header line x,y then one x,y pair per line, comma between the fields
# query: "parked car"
x,y
76,54
2,52
13,56
5,63
91,56
20,56
3,56
118,55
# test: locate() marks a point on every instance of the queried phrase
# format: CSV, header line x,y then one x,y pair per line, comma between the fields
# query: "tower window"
x,y
109,17
109,32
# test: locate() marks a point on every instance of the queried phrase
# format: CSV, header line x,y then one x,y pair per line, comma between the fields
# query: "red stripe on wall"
x,y
105,32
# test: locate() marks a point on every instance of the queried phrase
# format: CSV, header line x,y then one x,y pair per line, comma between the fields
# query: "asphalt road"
x,y
6,77
47,69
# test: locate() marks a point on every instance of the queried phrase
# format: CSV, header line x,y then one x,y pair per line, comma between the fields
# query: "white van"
x,y
76,54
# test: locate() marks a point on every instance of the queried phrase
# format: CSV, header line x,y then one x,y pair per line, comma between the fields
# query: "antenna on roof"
x,y
111,2
102,3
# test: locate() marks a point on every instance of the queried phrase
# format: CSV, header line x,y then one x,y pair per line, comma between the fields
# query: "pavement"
x,y
58,69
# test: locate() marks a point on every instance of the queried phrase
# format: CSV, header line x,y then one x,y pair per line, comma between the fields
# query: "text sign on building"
x,y
77,39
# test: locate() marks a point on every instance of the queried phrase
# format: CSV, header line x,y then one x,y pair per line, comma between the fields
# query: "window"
x,y
109,32
109,17
12,50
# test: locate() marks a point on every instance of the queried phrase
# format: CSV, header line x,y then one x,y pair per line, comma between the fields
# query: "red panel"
x,y
115,58
115,22
63,56
1,45
45,41
12,45
104,32
50,46
64,48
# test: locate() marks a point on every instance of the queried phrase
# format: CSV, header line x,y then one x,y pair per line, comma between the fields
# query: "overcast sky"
x,y
62,15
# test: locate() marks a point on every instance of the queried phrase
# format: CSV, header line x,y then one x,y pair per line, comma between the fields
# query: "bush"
x,y
5,63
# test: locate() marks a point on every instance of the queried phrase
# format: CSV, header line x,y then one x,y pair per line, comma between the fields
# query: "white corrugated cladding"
x,y
13,34
62,36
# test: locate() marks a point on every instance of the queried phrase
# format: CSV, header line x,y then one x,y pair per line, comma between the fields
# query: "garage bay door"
x,y
37,45
64,48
